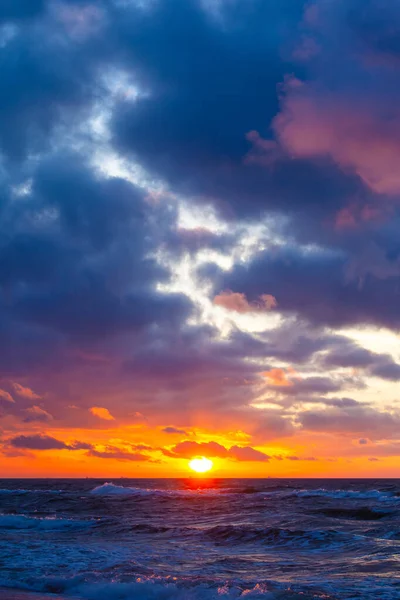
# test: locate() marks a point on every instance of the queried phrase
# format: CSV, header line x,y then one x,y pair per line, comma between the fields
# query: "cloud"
x,y
44,442
174,430
37,442
357,420
246,453
189,155
76,445
114,453
296,458
79,21
190,449
237,302
297,278
138,181
37,414
390,371
278,377
24,392
376,365
313,124
6,397
102,413
15,10
100,235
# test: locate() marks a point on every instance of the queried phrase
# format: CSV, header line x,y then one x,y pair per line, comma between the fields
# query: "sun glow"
x,y
201,465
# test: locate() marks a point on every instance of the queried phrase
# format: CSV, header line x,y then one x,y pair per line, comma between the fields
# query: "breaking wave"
x,y
347,494
110,489
170,589
275,536
44,524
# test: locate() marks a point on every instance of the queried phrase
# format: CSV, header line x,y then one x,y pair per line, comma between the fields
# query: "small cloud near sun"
x,y
174,430
102,413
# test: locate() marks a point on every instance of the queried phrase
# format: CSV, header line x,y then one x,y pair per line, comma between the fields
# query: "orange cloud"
x,y
102,413
6,396
188,449
25,392
279,377
238,302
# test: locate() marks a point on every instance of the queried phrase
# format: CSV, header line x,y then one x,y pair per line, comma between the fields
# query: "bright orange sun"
x,y
201,464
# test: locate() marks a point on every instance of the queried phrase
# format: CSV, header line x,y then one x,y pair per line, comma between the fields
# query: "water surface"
x,y
201,539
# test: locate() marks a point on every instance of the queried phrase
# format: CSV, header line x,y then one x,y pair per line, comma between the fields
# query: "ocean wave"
x,y
111,489
359,514
274,536
41,523
378,495
20,492
157,588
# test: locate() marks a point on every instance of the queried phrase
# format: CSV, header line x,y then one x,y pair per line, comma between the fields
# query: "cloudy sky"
x,y
199,237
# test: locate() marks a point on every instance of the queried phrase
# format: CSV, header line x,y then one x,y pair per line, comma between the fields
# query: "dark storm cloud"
x,y
191,129
39,442
74,255
42,81
351,355
299,281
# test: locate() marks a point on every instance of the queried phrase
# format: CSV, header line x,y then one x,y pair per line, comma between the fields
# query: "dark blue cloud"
x,y
316,285
74,256
210,82
11,10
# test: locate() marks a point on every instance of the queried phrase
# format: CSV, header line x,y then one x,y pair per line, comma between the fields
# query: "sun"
x,y
201,464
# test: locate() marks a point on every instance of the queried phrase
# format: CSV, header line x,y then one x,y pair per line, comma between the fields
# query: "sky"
x,y
199,237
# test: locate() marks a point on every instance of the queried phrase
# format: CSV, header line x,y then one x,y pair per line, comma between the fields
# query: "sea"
x,y
201,539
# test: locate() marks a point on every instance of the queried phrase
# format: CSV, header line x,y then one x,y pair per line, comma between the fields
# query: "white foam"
x,y
347,494
154,588
110,489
